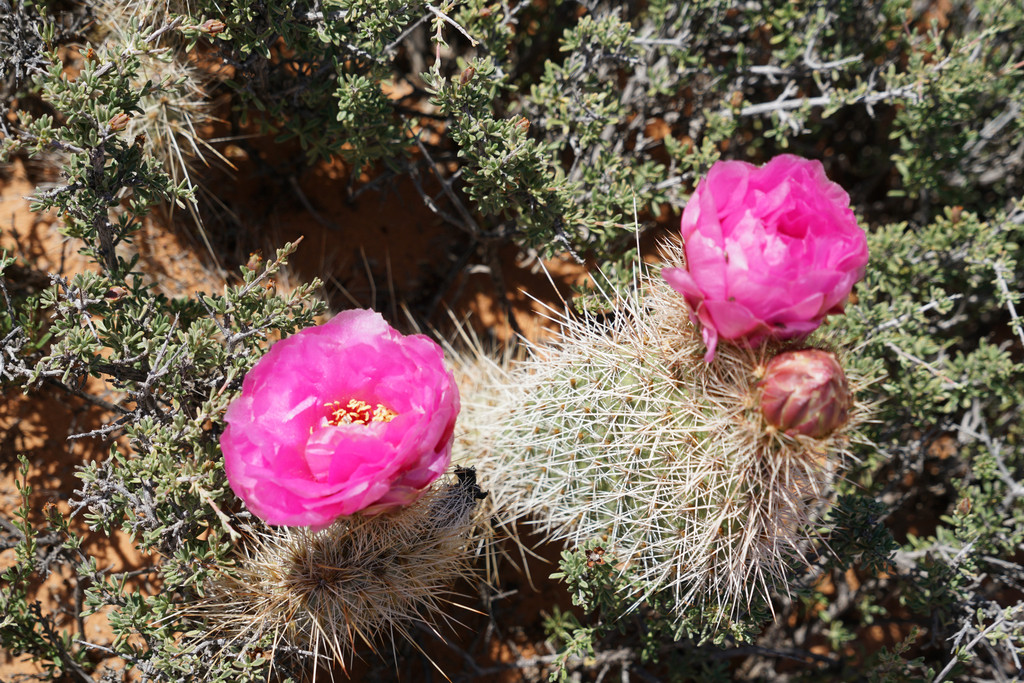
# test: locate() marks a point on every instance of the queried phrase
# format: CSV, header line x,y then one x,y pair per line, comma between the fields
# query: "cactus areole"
x,y
805,392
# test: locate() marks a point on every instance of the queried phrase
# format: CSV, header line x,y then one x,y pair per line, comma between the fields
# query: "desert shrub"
x,y
545,125
549,123
172,364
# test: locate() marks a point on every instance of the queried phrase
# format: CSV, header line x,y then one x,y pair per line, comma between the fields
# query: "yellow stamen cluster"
x,y
358,412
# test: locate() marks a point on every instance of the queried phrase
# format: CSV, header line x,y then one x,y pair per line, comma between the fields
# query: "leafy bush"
x,y
548,126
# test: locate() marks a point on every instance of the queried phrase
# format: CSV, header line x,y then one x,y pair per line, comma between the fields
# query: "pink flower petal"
x,y
731,319
770,251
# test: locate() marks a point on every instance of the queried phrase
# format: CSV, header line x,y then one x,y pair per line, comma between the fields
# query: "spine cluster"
x,y
362,580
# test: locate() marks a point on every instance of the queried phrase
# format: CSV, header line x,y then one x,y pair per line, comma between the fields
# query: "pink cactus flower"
x,y
346,417
770,251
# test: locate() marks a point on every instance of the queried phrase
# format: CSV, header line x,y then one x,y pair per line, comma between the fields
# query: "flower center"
x,y
357,412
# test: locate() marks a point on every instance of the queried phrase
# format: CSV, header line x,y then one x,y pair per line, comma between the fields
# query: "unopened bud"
x,y
963,507
213,27
467,75
255,260
115,293
523,124
805,392
52,513
119,122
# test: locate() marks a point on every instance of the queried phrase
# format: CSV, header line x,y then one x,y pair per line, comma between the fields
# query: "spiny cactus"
x,y
176,106
362,580
620,431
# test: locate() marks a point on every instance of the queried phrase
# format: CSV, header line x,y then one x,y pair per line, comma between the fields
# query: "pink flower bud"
x,y
255,260
805,392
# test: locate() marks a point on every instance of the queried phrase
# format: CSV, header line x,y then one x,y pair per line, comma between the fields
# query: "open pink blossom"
x,y
345,417
770,251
